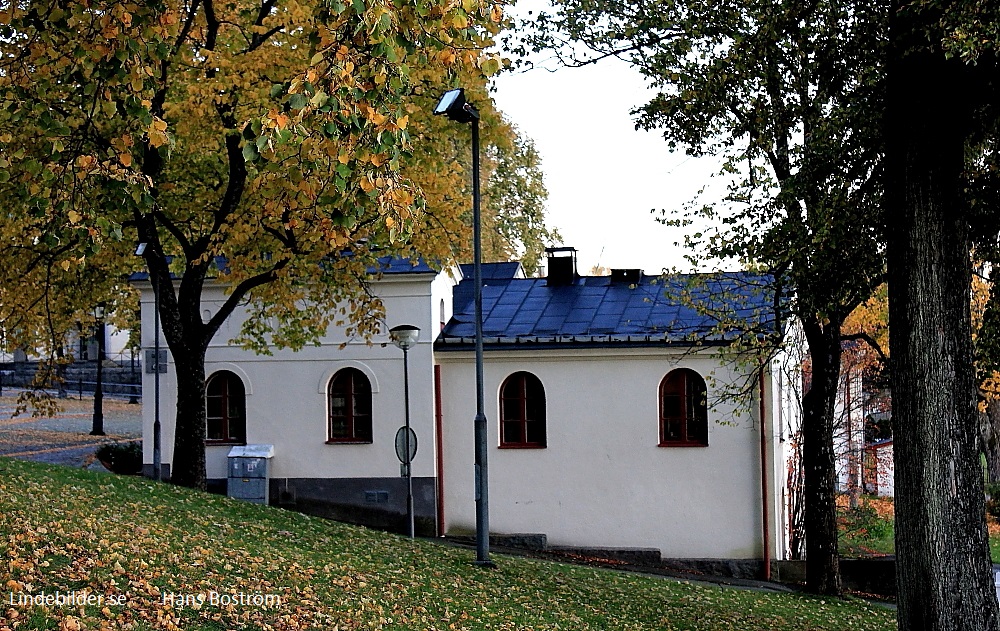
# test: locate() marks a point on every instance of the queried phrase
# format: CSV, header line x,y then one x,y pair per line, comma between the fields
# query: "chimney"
x,y
561,266
626,276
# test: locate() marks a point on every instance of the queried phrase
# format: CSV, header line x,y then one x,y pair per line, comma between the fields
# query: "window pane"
x,y
363,428
672,406
338,427
536,432
697,430
213,406
672,429
536,410
362,404
512,432
511,409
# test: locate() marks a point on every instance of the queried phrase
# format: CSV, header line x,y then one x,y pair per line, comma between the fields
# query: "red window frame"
x,y
349,408
225,409
683,405
522,412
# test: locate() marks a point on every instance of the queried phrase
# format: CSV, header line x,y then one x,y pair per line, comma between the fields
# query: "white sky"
x,y
602,175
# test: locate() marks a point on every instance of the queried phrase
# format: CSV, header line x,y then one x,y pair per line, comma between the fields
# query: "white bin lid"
x,y
252,451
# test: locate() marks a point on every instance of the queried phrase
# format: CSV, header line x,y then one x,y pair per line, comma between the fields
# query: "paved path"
x,y
64,438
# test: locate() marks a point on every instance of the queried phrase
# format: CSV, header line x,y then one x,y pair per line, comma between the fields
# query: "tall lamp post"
x,y
153,277
98,428
454,106
405,336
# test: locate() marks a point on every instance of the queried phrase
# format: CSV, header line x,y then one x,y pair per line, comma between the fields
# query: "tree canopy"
x,y
790,95
264,143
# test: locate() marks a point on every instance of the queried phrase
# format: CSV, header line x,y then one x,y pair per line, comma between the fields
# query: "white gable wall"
x,y
603,479
286,401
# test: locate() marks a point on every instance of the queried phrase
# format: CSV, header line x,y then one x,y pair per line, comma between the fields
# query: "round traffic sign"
x,y
401,444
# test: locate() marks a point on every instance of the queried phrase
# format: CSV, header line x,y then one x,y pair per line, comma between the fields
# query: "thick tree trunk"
x,y
822,567
188,466
944,578
187,337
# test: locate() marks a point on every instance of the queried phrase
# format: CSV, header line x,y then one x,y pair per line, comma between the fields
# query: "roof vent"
x,y
626,276
561,266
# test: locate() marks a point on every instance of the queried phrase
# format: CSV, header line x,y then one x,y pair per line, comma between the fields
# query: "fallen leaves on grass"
x,y
154,556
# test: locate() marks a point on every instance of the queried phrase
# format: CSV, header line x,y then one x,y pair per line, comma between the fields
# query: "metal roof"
x,y
384,265
494,271
595,311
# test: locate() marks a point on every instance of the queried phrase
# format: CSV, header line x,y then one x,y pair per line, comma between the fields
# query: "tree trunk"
x,y
943,570
187,337
822,567
188,466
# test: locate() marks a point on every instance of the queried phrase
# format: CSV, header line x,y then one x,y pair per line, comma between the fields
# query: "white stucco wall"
x,y
603,479
286,401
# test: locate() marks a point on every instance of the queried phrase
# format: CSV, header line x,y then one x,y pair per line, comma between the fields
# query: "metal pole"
x,y
157,463
98,429
409,469
134,396
482,470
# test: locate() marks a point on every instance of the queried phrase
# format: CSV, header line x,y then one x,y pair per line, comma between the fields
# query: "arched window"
x,y
226,408
349,407
683,409
522,411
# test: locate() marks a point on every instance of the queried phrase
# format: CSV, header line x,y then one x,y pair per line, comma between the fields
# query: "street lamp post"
x,y
405,336
157,461
454,106
98,428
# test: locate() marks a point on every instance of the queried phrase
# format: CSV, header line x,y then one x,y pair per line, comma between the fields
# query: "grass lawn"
x,y
869,530
163,557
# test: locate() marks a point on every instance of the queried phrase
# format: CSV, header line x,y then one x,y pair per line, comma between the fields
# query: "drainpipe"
x,y
765,504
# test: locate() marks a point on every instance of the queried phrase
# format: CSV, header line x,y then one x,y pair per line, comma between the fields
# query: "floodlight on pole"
x,y
140,250
405,337
454,106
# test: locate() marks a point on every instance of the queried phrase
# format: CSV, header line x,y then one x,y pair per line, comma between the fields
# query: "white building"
x,y
612,408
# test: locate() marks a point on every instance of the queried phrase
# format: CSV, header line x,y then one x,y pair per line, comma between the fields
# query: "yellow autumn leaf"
x,y
125,159
157,138
402,121
367,185
75,217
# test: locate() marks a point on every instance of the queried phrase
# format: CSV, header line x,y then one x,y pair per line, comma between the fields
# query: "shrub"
x,y
121,458
863,523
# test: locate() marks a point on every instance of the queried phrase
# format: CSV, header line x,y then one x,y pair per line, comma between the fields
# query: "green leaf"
x,y
250,153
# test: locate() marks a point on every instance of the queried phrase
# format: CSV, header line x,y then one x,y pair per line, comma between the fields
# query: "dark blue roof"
x,y
397,265
384,265
493,271
710,308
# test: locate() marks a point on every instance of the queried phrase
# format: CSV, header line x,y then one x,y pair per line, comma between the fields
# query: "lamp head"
x,y
99,309
404,336
454,106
